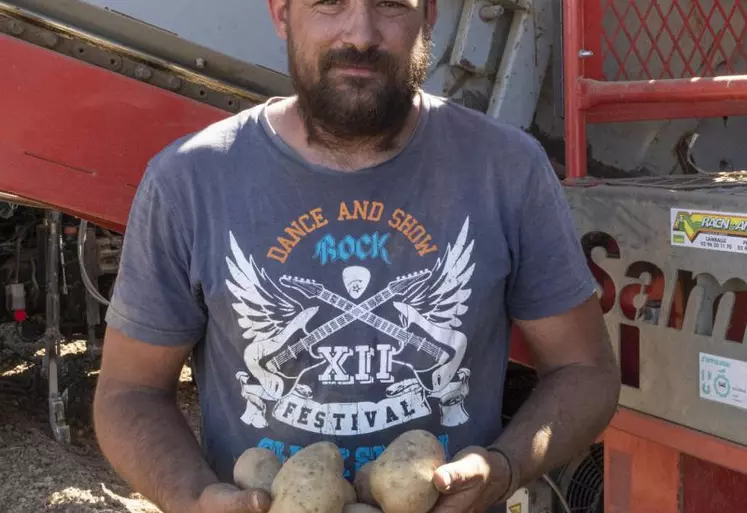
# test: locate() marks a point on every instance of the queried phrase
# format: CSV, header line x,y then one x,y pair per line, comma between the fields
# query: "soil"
x,y
36,472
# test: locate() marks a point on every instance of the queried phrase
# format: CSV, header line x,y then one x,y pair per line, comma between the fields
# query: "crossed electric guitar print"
x,y
281,350
444,357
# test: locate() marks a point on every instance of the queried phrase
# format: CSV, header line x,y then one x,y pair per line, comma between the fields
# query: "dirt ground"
x,y
37,473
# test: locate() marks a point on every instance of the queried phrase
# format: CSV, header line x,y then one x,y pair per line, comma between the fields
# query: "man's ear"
x,y
279,15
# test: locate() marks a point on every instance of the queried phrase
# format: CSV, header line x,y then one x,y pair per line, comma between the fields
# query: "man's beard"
x,y
338,109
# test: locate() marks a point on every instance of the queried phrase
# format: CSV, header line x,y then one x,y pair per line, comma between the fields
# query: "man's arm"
x,y
145,437
550,299
139,426
576,397
155,317
574,401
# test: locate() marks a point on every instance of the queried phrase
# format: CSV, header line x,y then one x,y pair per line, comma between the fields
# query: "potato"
x,y
323,451
350,495
401,478
256,468
363,485
360,508
311,481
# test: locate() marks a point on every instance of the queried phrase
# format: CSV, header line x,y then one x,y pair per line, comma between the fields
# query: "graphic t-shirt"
x,y
347,306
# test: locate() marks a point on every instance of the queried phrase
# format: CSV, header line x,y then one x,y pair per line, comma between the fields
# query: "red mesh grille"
x,y
669,39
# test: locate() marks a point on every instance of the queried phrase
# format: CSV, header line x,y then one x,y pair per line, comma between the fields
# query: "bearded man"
x,y
347,264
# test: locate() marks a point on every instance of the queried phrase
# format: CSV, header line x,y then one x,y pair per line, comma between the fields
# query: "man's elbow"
x,y
102,408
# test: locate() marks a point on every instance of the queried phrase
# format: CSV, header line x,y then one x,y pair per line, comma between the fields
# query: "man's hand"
x,y
144,435
224,498
472,482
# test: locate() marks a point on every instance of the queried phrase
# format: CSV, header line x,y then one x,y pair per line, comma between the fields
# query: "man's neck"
x,y
327,151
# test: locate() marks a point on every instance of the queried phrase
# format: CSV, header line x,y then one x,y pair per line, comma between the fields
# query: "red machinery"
x,y
76,137
653,464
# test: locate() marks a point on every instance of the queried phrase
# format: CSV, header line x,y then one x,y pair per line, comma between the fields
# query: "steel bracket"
x,y
58,424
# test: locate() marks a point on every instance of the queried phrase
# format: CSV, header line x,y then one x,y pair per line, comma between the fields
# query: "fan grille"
x,y
585,492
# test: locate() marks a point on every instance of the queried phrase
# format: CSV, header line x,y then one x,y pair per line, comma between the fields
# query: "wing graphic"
x,y
263,308
441,299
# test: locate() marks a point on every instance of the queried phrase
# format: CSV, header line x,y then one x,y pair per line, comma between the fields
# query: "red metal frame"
x,y
644,40
590,99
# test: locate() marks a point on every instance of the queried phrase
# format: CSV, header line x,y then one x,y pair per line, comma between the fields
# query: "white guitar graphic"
x,y
279,349
274,362
444,356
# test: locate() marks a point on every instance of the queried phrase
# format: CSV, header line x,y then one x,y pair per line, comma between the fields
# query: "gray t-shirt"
x,y
347,306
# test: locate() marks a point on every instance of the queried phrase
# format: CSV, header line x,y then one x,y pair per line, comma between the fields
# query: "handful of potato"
x,y
311,481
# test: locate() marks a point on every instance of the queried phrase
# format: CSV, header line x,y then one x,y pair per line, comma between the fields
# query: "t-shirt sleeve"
x,y
155,299
550,274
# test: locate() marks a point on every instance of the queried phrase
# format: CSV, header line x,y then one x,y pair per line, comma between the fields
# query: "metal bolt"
x,y
490,13
174,83
143,72
585,54
50,39
233,105
15,28
200,62
115,61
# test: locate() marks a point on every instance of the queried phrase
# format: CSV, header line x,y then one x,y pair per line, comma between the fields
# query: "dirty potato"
x,y
256,468
311,481
401,478
350,495
360,508
363,485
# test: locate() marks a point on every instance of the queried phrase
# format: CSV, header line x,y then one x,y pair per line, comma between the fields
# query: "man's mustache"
x,y
372,58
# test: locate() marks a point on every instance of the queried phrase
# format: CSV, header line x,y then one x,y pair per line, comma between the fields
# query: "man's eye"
x,y
391,7
329,6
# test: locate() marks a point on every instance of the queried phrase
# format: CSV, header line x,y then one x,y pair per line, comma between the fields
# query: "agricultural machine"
x,y
639,103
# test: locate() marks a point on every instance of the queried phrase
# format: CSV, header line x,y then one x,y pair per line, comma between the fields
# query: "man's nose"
x,y
360,27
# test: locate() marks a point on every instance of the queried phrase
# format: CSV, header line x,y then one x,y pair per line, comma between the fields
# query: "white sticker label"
x,y
518,502
717,231
723,380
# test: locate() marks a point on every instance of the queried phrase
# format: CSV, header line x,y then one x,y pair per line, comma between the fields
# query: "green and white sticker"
x,y
705,229
723,380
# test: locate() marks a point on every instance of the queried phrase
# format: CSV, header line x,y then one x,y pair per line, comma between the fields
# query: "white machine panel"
x,y
239,28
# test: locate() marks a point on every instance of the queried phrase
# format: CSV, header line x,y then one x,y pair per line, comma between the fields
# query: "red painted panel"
x,y
708,488
640,476
684,440
78,137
